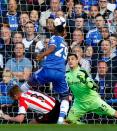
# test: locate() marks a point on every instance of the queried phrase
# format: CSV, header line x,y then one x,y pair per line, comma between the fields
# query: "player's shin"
x,y
63,111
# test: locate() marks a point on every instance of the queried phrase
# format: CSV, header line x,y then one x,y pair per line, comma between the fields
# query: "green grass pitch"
x,y
22,127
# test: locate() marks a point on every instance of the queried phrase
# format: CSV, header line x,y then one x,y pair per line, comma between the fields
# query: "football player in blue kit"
x,y
54,68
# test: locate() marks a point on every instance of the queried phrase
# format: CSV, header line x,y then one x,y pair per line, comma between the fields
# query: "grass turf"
x,y
27,127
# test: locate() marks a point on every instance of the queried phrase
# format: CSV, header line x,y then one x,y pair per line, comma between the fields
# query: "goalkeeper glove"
x,y
91,84
81,77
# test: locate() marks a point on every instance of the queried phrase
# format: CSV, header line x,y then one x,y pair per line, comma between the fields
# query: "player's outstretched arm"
x,y
45,53
18,118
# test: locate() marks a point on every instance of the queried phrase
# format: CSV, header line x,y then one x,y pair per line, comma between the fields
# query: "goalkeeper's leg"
x,y
103,108
75,114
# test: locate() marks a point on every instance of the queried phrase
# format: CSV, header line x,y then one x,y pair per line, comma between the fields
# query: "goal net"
x,y
91,33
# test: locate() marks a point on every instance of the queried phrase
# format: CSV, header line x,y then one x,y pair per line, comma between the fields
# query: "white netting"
x,y
81,30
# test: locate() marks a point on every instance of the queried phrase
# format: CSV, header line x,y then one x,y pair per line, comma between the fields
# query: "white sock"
x,y
63,111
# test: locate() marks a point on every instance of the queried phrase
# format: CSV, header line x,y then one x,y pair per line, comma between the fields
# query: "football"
x,y
60,21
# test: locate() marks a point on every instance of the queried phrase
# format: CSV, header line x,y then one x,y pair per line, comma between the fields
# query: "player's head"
x,y
60,24
14,92
72,60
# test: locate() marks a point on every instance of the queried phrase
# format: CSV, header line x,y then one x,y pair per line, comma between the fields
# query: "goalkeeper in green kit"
x,y
83,88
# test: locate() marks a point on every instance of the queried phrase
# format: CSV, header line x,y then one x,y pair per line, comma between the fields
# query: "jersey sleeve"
x,y
88,38
52,41
22,107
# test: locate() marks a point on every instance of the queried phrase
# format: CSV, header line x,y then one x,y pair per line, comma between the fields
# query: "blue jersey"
x,y
57,59
13,22
53,69
93,37
89,2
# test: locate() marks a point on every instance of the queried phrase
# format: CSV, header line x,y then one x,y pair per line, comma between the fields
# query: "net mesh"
x,y
15,14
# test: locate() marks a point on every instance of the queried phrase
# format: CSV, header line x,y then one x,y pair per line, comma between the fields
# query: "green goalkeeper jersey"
x,y
81,85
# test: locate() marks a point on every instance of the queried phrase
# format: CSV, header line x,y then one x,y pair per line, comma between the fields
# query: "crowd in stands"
x,y
91,32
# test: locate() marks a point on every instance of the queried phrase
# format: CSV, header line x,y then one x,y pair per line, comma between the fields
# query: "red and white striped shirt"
x,y
35,101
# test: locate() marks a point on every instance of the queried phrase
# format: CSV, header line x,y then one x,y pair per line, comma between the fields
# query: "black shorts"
x,y
51,117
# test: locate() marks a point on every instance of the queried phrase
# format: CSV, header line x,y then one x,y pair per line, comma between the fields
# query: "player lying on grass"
x,y
86,99
46,108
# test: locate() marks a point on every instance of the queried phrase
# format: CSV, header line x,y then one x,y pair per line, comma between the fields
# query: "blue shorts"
x,y
58,79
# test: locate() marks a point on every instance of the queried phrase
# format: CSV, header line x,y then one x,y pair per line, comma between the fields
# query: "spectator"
x,y
90,22
29,35
6,42
78,11
23,19
79,24
17,37
103,9
20,66
88,3
107,56
69,9
106,81
34,17
88,53
81,61
78,39
60,13
113,40
4,88
11,17
49,29
105,32
94,36
54,7
113,23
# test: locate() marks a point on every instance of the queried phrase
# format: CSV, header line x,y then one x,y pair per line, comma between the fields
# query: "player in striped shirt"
x,y
46,108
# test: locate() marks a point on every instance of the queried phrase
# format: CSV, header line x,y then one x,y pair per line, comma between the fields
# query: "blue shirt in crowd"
x,y
93,37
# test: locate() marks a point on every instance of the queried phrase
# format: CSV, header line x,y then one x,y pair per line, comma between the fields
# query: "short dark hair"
x,y
59,28
14,91
72,54
99,15
19,43
102,61
29,22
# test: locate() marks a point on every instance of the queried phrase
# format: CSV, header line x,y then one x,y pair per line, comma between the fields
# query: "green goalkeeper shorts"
x,y
97,106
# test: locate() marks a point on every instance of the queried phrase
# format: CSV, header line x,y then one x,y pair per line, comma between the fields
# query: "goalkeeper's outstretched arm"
x,y
91,83
88,80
